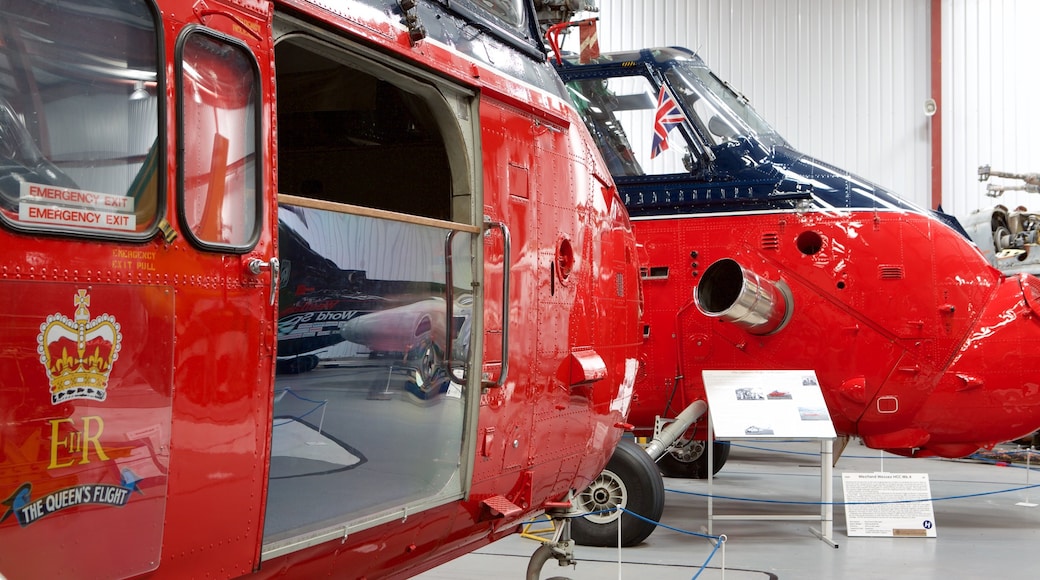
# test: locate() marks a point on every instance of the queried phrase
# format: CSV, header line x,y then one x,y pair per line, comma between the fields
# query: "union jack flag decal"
x,y
668,116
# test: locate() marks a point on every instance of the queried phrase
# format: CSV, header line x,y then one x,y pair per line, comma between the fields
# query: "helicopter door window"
x,y
219,180
79,118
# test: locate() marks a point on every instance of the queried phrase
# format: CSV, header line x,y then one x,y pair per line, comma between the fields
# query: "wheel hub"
x,y
602,498
689,451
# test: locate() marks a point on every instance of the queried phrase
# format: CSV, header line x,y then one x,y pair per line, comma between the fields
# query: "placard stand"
x,y
792,409
826,515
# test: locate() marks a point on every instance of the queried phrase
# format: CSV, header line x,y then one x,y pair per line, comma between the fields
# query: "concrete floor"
x,y
981,531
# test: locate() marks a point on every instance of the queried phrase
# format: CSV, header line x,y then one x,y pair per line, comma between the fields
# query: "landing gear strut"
x,y
560,547
688,458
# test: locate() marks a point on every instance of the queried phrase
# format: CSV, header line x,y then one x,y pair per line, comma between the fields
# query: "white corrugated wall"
x,y
847,80
991,88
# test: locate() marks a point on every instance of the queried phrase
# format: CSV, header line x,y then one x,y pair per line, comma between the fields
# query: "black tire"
x,y
631,481
691,461
297,365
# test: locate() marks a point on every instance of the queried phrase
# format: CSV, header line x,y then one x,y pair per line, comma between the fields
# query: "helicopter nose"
x,y
990,392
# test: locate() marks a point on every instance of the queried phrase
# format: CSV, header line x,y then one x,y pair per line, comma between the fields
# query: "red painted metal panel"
x,y
912,335
190,402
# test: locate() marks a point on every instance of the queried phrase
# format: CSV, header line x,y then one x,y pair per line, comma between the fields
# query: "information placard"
x,y
893,505
765,404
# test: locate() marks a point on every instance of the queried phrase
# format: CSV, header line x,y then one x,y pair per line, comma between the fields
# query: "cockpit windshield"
x,y
645,130
723,111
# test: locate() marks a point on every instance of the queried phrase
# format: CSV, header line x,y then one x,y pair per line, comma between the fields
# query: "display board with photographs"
x,y
767,404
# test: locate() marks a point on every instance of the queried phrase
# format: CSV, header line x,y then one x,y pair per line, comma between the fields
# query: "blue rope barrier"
x,y
293,393
776,501
665,526
890,456
704,566
811,453
719,540
318,405
998,462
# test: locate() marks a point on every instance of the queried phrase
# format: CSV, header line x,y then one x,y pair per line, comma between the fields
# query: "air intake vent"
x,y
1031,291
770,241
890,272
1030,283
654,273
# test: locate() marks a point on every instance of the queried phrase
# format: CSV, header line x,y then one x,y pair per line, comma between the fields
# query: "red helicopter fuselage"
x,y
297,289
758,257
912,337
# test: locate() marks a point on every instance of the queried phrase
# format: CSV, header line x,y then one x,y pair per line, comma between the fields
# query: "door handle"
x,y
256,266
506,243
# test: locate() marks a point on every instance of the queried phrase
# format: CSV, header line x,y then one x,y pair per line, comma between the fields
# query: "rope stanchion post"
x,y
619,521
1029,457
826,530
321,422
717,541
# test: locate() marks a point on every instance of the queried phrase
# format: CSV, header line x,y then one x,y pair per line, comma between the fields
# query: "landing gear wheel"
x,y
631,481
689,459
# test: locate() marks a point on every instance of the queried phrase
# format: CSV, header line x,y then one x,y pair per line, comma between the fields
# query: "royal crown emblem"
x,y
78,354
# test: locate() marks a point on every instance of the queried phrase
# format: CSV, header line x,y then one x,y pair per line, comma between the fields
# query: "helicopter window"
x,y
620,113
719,127
719,130
219,87
348,136
368,409
79,117
509,11
725,113
507,21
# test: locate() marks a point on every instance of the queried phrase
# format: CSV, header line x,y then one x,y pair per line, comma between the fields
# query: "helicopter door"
x,y
376,248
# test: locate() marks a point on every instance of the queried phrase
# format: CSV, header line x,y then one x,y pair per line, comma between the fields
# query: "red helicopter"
x,y
299,289
759,257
